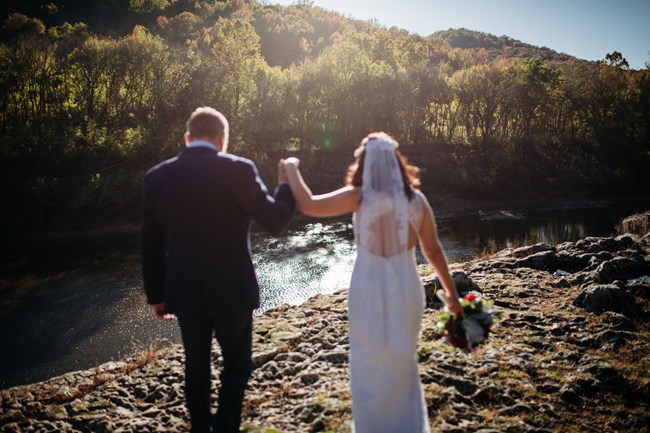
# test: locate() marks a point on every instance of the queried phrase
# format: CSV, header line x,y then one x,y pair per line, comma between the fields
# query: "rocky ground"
x,y
571,354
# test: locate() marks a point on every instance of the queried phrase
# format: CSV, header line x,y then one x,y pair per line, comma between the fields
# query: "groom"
x,y
197,210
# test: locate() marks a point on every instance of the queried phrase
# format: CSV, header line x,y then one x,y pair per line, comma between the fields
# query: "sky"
x,y
586,29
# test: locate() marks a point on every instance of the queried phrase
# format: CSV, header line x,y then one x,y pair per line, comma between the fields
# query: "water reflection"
x,y
316,258
479,236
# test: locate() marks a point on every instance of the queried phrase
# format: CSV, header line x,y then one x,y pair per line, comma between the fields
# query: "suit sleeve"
x,y
152,248
271,213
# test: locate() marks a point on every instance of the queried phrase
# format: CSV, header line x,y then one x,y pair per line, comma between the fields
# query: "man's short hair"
x,y
206,122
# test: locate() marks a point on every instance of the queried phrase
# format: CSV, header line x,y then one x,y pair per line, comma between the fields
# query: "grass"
x,y
101,376
634,361
638,224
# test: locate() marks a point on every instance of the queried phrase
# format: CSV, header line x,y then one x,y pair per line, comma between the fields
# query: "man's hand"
x,y
282,173
159,311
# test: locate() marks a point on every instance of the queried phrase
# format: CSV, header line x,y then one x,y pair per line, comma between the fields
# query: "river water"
x,y
73,303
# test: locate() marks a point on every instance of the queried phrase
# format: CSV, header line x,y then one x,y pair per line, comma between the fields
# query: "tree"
x,y
284,36
617,60
18,26
148,6
529,88
440,118
478,92
226,75
177,30
89,63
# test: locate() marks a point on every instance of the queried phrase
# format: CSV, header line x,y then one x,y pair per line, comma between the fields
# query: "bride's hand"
x,y
455,307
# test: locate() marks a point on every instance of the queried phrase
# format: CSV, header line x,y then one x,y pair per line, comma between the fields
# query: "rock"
x,y
607,377
462,282
596,244
604,256
598,298
333,357
621,268
613,337
618,321
291,357
527,251
570,396
105,426
155,395
639,287
309,412
140,391
309,378
318,425
517,409
6,416
270,369
549,388
262,358
56,411
587,386
543,261
580,278
491,396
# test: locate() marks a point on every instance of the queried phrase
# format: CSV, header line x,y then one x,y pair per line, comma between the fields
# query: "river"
x,y
73,303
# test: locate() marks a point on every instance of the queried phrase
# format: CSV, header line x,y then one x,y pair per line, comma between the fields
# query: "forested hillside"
x,y
95,93
494,47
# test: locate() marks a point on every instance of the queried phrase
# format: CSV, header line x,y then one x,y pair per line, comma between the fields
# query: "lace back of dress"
x,y
383,214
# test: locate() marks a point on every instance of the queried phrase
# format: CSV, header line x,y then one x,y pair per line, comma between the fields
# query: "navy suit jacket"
x,y
197,210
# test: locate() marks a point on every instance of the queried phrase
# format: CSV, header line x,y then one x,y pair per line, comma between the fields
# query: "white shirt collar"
x,y
202,143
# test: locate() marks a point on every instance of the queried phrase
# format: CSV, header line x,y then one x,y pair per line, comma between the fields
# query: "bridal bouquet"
x,y
466,332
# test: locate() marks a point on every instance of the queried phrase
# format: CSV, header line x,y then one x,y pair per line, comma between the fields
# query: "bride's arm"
x,y
340,202
433,252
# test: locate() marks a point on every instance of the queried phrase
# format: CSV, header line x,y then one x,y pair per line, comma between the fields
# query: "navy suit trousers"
x,y
234,333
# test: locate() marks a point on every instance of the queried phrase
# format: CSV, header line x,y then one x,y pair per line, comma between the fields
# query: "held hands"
x,y
291,162
282,168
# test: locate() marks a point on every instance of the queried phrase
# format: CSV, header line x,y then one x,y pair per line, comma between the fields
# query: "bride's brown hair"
x,y
410,173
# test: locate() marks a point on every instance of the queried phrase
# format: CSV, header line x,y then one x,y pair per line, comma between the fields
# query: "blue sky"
x,y
587,29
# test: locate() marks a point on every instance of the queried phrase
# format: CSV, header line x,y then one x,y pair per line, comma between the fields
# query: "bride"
x,y
386,298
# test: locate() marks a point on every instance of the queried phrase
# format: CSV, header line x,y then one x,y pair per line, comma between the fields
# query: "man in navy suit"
x,y
197,210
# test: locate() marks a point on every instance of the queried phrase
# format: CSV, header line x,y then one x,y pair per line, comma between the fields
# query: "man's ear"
x,y
222,142
188,138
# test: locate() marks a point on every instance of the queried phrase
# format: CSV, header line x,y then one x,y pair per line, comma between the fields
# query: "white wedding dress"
x,y
386,302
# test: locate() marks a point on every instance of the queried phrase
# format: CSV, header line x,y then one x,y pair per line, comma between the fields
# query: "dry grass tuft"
x,y
102,376
638,224
142,358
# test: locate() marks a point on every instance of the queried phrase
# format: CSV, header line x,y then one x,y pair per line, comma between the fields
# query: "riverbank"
x,y
572,353
89,289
